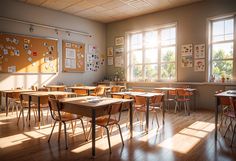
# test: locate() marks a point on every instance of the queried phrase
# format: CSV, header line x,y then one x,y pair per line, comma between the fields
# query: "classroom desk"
x,y
87,88
166,89
7,94
43,94
57,87
93,106
148,96
229,93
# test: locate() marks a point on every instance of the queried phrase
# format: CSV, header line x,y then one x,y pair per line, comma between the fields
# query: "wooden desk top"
x,y
83,87
55,86
16,90
229,93
173,88
92,101
143,94
45,93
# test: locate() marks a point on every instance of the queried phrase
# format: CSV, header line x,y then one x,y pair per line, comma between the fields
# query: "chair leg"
x,y
108,138
18,119
121,135
52,131
228,128
89,132
233,135
59,131
157,120
83,129
65,134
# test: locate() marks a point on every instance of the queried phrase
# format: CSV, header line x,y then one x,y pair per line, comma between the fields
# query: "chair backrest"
x,y
183,93
114,109
99,91
115,89
56,97
157,99
139,100
80,91
117,96
172,92
24,100
55,108
61,88
43,100
43,89
34,88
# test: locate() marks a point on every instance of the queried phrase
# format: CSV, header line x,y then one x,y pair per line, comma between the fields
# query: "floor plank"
x,y
181,138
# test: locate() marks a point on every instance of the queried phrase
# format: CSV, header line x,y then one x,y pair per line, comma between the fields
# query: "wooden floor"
x,y
185,138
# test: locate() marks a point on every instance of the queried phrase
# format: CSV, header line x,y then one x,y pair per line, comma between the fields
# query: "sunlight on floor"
x,y
13,140
188,138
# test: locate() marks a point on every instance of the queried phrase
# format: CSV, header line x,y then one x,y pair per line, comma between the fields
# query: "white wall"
x,y
21,11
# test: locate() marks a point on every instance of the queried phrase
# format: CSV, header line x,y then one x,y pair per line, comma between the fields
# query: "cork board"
x,y
26,54
73,56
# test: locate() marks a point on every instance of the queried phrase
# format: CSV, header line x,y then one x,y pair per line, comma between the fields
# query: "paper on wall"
x,y
11,69
118,61
70,63
70,53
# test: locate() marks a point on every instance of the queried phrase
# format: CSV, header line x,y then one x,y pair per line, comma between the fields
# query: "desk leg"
x,y
131,119
163,113
29,109
216,117
39,112
147,114
7,104
88,92
93,132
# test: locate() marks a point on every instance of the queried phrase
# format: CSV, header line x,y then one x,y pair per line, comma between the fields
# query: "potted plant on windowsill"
x,y
223,77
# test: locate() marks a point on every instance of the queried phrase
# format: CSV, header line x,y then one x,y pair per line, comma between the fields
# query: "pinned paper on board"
x,y
46,59
12,53
199,65
35,53
70,53
5,51
26,46
29,52
29,59
70,63
187,50
17,52
12,69
68,45
109,60
15,41
26,41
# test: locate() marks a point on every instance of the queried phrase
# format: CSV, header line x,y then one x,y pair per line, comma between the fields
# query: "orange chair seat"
x,y
103,121
68,117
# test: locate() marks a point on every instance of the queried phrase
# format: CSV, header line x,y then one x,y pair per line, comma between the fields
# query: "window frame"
x,y
211,43
128,57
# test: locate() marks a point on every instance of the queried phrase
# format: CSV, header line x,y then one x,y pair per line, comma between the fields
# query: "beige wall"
x,y
16,10
191,28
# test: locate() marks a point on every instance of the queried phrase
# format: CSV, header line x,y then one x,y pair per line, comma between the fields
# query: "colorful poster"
x,y
199,51
187,50
186,61
199,65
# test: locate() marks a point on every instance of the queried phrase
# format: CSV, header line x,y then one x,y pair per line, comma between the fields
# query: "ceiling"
x,y
108,10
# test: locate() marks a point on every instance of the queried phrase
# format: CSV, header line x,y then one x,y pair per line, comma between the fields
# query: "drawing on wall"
x,y
93,59
118,61
119,40
119,50
187,50
187,61
109,60
199,51
110,51
199,65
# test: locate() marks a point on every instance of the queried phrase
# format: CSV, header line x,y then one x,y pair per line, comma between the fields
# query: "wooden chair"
x,y
224,105
183,97
99,91
43,89
110,120
14,102
62,118
231,114
172,97
80,92
156,105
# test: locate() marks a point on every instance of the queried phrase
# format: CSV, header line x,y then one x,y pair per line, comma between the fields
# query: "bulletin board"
x,y
73,56
25,54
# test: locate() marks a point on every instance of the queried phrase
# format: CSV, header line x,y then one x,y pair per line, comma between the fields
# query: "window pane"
x,y
151,72
168,71
136,41
223,30
168,36
168,54
137,73
220,68
151,39
151,56
137,57
222,51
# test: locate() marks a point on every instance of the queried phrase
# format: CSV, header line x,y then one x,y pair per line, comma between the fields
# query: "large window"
x,y
151,55
221,48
